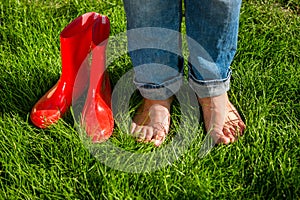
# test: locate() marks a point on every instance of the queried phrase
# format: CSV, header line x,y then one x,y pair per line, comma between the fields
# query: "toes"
x,y
157,143
237,129
242,127
233,130
149,135
225,140
136,130
219,137
142,134
133,127
232,137
229,134
222,139
159,138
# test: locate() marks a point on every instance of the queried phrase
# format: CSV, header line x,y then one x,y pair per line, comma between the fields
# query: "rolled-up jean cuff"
x,y
160,91
209,88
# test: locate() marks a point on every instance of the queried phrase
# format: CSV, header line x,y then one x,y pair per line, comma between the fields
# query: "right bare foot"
x,y
221,119
152,120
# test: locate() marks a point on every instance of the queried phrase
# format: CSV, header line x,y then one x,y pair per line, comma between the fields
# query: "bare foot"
x,y
152,120
221,119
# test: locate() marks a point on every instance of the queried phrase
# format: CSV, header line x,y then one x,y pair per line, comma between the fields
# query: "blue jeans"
x,y
155,44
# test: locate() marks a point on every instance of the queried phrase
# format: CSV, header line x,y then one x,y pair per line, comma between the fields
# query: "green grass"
x,y
54,163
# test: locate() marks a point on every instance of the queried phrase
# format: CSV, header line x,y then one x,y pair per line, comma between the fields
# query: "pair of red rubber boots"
x,y
83,46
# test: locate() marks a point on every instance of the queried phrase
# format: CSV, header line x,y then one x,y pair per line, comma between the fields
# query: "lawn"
x,y
55,164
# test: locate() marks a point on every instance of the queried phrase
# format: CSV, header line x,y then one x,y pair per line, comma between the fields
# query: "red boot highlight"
x,y
75,46
97,116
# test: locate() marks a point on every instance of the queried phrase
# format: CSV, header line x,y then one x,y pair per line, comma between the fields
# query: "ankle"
x,y
211,101
165,103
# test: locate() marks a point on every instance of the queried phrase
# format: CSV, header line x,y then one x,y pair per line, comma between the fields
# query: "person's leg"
x,y
154,53
212,26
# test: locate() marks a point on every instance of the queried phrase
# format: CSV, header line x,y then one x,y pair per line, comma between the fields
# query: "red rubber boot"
x,y
97,117
75,46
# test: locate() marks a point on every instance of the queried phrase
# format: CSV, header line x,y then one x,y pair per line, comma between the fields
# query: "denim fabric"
x,y
212,29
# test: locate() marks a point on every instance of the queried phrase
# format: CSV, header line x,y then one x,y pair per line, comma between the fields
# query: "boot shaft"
x,y
75,42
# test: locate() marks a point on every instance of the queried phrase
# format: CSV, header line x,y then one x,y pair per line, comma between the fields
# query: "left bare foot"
x,y
152,120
